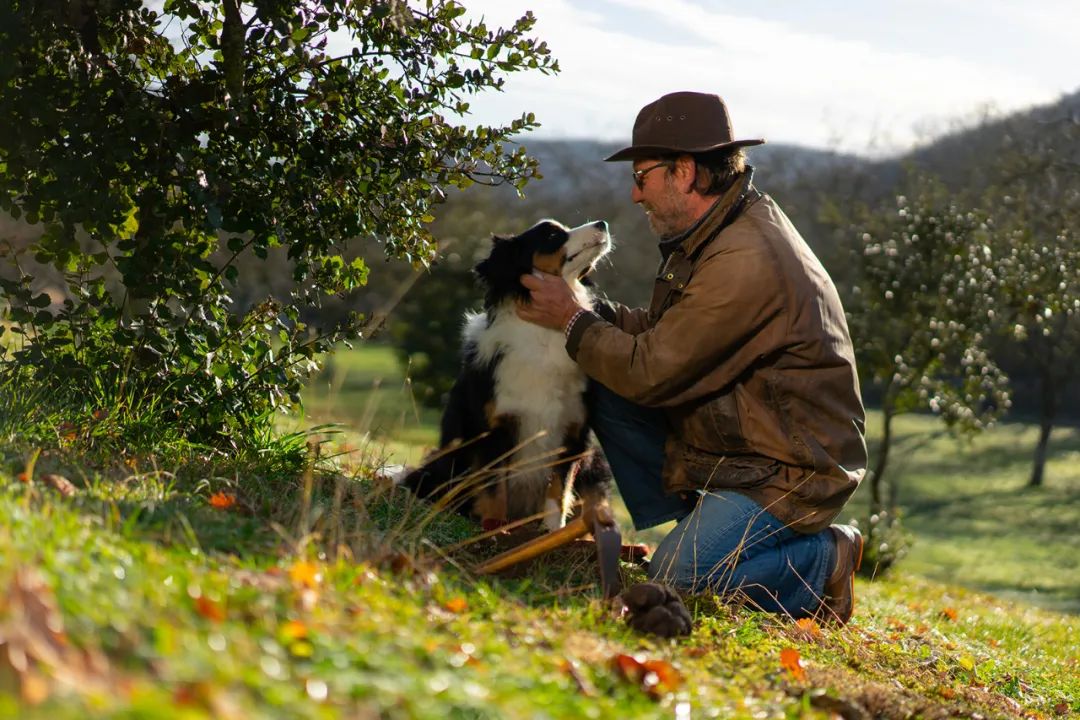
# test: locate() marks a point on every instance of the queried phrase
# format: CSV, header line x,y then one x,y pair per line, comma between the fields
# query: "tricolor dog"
x,y
514,436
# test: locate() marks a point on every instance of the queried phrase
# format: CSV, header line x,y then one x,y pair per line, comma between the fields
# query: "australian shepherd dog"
x,y
513,441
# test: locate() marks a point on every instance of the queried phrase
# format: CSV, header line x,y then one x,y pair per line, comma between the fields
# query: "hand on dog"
x,y
553,303
656,609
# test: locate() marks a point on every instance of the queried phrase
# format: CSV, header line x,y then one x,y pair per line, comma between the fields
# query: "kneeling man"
x,y
731,404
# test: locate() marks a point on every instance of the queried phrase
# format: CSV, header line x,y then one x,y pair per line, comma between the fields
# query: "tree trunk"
x,y
877,503
1046,425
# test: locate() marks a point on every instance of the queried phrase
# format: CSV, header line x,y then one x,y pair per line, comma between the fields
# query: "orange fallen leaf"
x,y
456,605
655,677
949,613
294,630
222,501
808,629
209,609
305,573
791,660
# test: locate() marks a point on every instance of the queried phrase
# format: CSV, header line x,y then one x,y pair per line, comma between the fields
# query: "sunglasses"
x,y
639,175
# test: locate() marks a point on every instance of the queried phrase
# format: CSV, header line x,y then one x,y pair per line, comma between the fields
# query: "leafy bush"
x,y
155,148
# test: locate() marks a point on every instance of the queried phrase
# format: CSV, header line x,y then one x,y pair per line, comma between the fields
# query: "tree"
x,y
158,147
920,312
1038,208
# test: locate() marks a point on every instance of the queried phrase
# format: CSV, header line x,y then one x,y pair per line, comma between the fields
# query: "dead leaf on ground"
x,y
791,660
222,500
807,629
209,609
456,605
59,483
305,574
34,650
949,613
654,677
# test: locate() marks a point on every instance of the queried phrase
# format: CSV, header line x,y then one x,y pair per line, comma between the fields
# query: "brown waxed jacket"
x,y
746,347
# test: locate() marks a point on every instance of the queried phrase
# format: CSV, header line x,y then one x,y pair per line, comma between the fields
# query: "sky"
x,y
872,77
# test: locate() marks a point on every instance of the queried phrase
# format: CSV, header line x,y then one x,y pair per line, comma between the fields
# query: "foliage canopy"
x,y
156,147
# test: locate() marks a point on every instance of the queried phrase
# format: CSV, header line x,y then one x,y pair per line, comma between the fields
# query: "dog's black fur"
x,y
516,379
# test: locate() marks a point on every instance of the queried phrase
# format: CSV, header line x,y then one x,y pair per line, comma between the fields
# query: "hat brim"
x,y
636,152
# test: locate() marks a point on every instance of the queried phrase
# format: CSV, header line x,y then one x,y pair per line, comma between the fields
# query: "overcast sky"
x,y
865,76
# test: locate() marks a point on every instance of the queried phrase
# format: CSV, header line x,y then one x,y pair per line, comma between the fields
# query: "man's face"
x,y
663,203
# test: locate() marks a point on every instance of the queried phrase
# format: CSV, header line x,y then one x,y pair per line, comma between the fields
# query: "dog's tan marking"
x,y
552,263
491,504
489,413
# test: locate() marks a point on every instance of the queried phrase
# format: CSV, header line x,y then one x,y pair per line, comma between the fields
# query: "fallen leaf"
x,y
222,501
948,693
59,483
293,630
34,649
304,573
654,677
209,609
1061,709
807,629
949,613
791,660
456,605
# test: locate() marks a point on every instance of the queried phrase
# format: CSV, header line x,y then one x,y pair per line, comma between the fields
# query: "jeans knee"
x,y
669,565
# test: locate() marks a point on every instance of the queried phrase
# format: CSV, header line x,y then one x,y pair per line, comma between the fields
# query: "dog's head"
x,y
548,247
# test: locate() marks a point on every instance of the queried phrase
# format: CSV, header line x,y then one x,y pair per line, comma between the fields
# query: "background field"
x,y
972,520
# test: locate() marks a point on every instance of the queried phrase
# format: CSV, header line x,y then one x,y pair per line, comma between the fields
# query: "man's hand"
x,y
553,303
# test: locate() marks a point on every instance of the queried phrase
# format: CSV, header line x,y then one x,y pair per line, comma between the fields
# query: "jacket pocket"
x,y
732,472
714,426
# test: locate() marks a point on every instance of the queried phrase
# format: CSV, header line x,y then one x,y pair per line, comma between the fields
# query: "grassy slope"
x,y
973,521
344,606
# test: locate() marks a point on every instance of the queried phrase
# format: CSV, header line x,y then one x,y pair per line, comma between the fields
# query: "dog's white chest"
x,y
535,380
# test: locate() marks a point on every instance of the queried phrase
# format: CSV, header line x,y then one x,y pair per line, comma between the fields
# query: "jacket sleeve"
x,y
627,319
730,314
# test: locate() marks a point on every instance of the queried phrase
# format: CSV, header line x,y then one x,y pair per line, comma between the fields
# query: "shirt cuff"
x,y
576,328
573,319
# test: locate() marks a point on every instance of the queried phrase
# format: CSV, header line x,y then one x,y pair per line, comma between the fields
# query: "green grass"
x,y
321,594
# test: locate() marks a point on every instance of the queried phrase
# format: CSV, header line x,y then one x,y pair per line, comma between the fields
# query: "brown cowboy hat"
x,y
681,122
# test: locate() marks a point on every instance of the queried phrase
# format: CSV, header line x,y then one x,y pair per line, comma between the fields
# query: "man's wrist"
x,y
573,318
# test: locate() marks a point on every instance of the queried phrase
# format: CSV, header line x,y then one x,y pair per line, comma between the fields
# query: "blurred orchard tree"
x,y
157,143
921,311
1037,206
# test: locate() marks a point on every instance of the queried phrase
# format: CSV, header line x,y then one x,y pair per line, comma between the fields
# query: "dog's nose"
x,y
600,225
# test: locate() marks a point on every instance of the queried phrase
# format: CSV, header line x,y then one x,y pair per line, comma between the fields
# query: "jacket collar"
x,y
714,219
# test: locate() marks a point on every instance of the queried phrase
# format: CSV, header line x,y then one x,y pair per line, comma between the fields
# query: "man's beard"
x,y
662,228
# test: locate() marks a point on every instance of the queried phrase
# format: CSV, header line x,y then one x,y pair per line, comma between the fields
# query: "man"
x,y
731,403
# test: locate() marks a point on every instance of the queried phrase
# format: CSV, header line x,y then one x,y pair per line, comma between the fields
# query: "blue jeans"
x,y
724,542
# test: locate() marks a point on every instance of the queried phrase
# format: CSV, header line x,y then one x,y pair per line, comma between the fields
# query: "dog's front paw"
x,y
656,609
390,476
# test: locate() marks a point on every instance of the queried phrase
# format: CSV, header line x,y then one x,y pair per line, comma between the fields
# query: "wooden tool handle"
x,y
547,542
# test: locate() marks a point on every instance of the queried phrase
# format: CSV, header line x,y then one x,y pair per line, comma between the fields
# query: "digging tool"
x,y
599,520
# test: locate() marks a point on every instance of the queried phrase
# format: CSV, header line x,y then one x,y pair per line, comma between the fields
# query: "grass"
x,y
209,589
